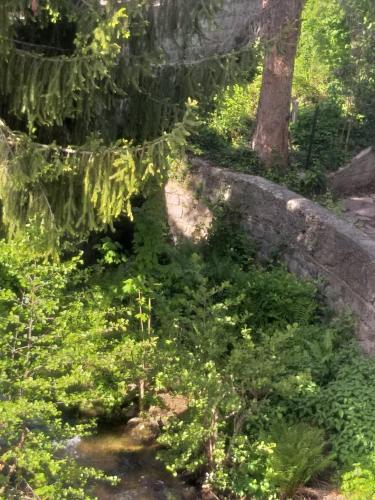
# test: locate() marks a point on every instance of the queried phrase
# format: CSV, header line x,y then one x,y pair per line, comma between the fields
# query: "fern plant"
x,y
297,457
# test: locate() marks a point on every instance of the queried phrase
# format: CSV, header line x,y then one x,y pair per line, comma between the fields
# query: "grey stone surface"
x,y
356,178
234,24
189,217
313,241
360,211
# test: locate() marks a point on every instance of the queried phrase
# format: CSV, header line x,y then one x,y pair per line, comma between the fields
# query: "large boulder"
x,y
356,178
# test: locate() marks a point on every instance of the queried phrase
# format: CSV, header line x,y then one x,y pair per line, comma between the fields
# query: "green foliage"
x,y
277,298
208,143
359,483
333,69
226,129
250,470
235,110
298,455
66,347
224,138
334,66
360,77
346,407
328,146
241,360
167,87
111,252
95,75
192,441
241,158
150,231
247,346
235,325
322,52
48,89
244,345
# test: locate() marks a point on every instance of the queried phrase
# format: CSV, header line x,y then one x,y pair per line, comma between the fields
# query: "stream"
x,y
119,452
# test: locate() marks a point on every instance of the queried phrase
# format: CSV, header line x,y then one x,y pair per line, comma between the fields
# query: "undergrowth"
x,y
225,138
277,393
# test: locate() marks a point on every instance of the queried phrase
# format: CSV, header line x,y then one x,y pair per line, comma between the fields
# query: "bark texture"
x,y
281,35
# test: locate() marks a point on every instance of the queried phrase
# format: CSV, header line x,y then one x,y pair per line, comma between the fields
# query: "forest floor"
x,y
319,493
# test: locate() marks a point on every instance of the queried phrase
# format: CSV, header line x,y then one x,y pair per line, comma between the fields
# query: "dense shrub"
x,y
347,407
269,380
67,347
209,143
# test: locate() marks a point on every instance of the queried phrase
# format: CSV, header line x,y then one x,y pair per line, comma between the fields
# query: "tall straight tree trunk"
x,y
283,21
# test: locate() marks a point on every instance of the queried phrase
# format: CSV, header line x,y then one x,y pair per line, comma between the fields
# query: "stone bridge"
x,y
314,242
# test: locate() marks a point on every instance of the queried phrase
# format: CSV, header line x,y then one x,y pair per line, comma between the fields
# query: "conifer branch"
x,y
80,189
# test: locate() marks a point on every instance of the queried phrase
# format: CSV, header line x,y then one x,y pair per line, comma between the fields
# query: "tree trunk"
x,y
283,20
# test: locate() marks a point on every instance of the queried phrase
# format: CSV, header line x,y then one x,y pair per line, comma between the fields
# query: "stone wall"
x,y
313,242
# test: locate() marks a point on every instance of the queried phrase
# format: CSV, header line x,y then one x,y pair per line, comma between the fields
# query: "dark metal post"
x,y
312,136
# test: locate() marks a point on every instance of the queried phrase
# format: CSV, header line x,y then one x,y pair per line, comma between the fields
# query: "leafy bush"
x,y
254,333
323,51
249,473
276,297
235,109
359,483
225,133
347,407
242,359
64,349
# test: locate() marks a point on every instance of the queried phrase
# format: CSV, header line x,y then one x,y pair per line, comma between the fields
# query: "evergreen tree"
x,y
99,107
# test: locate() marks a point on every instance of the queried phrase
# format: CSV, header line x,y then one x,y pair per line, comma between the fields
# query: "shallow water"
x,y
142,476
